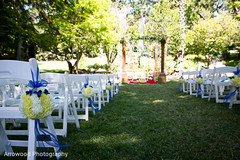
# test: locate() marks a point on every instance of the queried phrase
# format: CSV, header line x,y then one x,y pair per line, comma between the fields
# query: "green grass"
x,y
155,122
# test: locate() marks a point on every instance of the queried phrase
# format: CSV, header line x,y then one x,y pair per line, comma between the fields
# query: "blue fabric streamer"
x,y
93,105
117,88
110,94
226,98
237,72
199,91
54,142
179,86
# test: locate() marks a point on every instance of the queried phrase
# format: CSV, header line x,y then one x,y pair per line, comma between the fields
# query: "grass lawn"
x,y
155,122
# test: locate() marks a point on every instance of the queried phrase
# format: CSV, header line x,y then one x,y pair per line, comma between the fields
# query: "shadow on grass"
x,y
157,122
53,70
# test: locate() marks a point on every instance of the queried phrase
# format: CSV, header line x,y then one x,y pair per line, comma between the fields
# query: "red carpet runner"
x,y
148,82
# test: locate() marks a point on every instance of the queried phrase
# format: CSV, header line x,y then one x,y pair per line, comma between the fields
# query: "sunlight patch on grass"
x,y
184,96
158,101
123,138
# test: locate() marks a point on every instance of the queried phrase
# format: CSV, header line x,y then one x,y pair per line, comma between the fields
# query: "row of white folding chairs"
x,y
216,84
12,73
61,85
65,89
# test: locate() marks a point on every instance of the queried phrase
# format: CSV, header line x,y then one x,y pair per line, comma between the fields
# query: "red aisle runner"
x,y
148,82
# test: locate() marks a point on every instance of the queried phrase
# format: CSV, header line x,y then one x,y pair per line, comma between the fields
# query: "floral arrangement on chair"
x,y
199,80
235,81
181,80
36,103
109,87
88,92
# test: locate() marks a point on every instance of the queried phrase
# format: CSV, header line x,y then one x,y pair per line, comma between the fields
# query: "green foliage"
x,y
212,36
165,22
97,66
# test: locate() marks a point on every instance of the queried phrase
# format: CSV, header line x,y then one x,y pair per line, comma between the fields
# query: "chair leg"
x,y
50,126
85,102
65,118
4,140
216,93
31,140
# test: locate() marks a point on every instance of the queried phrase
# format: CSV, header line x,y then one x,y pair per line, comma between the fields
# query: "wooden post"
x,y
155,74
124,74
162,75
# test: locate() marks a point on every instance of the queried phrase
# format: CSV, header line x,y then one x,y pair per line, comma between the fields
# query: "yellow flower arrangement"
x,y
109,86
36,104
87,91
235,81
199,80
181,80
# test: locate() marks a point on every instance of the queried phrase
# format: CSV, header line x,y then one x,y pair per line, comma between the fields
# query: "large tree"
x,y
211,37
83,25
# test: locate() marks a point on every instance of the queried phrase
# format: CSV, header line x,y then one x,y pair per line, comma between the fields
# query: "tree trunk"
x,y
155,74
182,45
79,55
31,51
70,67
162,75
124,74
19,47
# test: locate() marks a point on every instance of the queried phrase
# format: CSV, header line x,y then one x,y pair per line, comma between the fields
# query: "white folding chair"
x,y
221,83
207,75
185,75
75,84
116,81
95,81
191,82
58,86
15,70
111,78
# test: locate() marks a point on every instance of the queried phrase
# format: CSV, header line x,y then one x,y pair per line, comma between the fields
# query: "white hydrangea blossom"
x,y
36,104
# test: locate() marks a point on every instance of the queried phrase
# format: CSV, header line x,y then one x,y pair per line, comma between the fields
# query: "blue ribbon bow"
x,y
37,83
